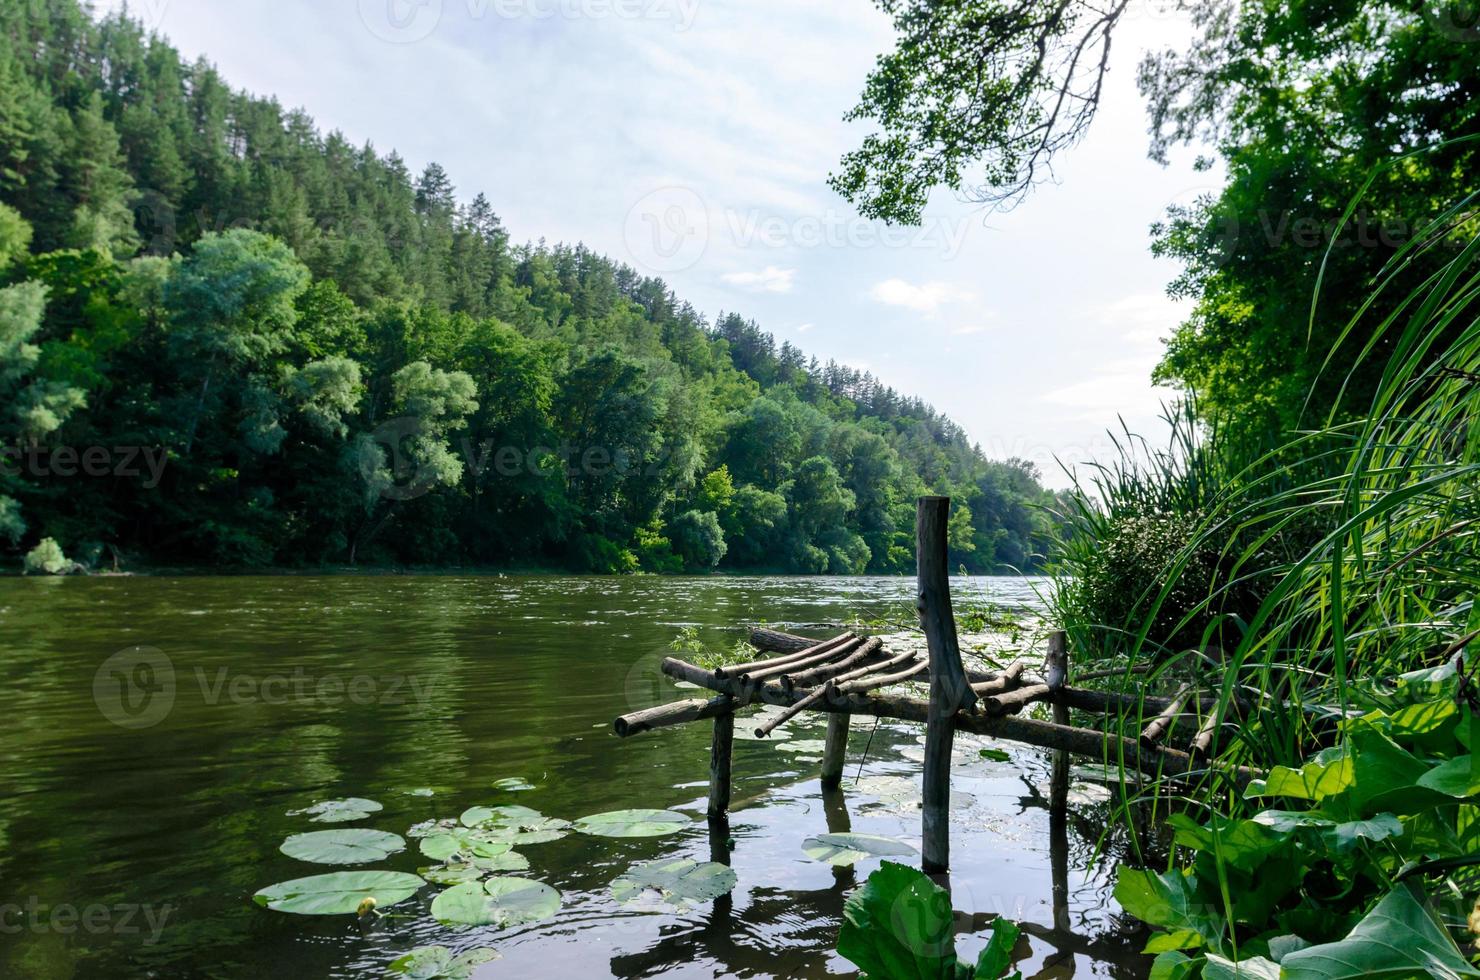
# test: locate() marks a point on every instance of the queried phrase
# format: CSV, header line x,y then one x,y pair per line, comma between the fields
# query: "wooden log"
x,y
1202,742
754,675
949,689
1005,681
1057,670
871,681
808,648
819,693
721,752
1163,722
835,751
676,713
1102,746
771,640
1011,702
811,676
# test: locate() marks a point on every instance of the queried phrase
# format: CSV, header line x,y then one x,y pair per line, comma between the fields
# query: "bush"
x,y
47,559
698,539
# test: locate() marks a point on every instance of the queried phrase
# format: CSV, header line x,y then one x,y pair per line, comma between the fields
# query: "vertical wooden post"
x,y
1057,673
835,751
721,749
949,690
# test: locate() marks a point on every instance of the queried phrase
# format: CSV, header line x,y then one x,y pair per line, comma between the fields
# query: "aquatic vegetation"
x,y
443,846
339,893
440,963
496,902
633,823
846,849
517,825
353,846
678,881
514,784
900,924
338,811
462,868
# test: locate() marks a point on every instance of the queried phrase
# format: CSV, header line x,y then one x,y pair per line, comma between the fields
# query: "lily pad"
x,y
496,902
464,842
515,824
339,893
440,963
678,881
633,823
806,745
474,869
420,791
350,846
513,785
429,827
338,811
844,849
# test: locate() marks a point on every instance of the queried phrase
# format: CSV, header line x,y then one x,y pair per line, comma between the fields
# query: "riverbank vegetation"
x,y
229,339
1306,547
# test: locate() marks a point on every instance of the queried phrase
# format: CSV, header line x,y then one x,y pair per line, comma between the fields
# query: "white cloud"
x,y
805,327
771,279
927,297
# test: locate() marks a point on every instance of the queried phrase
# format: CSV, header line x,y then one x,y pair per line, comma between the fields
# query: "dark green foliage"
x,y
335,360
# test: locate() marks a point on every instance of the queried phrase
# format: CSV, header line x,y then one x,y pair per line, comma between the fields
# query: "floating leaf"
x,y
513,784
845,849
463,841
440,963
806,745
474,869
429,827
338,811
351,846
679,882
515,824
340,893
420,791
995,755
496,902
633,823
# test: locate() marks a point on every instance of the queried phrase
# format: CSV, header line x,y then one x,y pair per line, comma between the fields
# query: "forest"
x,y
228,339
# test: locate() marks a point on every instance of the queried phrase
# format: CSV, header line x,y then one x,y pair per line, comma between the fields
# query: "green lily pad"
x,y
496,902
513,785
474,869
678,881
420,791
465,842
633,823
805,745
350,846
427,828
440,963
845,849
338,811
340,893
516,824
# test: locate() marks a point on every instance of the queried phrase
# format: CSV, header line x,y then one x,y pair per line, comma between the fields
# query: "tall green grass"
x,y
1343,554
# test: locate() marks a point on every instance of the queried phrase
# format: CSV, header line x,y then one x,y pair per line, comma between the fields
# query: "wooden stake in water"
x,y
721,749
835,751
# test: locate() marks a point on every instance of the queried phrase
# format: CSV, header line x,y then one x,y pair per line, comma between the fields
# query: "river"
x,y
160,730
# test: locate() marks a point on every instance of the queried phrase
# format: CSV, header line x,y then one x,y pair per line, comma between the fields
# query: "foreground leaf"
x,y
464,842
633,823
338,811
996,959
440,963
350,846
679,882
1398,938
496,902
845,849
339,893
515,824
474,869
899,925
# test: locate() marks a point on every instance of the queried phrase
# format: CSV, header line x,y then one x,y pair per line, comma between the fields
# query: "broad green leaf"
x,y
996,959
677,881
427,828
515,824
465,842
806,746
340,893
422,791
474,869
1173,966
996,755
513,784
899,925
440,963
1454,778
633,823
496,902
1244,844
1253,968
1398,938
1165,942
1326,775
845,849
1169,900
349,846
338,811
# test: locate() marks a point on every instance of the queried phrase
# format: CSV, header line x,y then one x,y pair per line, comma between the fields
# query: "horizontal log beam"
x,y
675,713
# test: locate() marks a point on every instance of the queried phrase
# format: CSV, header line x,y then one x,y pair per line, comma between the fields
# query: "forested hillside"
x,y
227,338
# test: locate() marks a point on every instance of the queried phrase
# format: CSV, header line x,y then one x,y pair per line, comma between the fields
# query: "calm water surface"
x,y
136,821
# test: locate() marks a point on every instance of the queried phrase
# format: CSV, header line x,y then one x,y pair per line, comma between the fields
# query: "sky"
x,y
692,139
